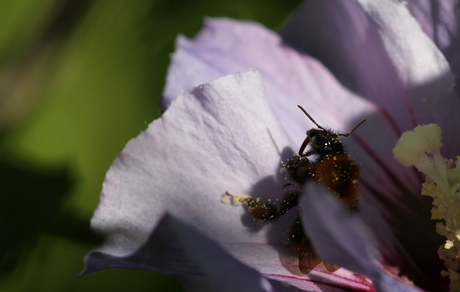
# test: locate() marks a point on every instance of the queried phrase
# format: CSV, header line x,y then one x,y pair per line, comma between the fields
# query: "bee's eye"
x,y
319,141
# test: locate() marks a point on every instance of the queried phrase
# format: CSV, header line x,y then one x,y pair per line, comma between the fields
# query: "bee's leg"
x,y
304,145
299,169
263,210
290,200
267,210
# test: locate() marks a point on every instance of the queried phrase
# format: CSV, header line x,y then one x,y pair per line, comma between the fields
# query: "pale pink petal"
x,y
291,78
440,20
379,51
218,137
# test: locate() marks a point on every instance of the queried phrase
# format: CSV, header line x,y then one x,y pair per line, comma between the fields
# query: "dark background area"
x,y
78,79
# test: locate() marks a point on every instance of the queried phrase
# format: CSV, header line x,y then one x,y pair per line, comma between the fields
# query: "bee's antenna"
x,y
354,128
319,127
314,122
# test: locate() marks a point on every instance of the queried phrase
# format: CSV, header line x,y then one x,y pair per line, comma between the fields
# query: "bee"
x,y
326,163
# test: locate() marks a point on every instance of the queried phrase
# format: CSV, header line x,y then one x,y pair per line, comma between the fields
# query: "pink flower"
x,y
161,206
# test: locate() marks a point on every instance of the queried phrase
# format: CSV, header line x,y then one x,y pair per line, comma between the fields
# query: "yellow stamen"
x,y
421,148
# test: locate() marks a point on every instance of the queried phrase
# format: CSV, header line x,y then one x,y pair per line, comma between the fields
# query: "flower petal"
x,y
178,242
218,137
225,46
222,271
384,56
292,78
341,239
440,20
377,49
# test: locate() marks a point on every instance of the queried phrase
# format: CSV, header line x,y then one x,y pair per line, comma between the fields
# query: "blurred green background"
x,y
78,79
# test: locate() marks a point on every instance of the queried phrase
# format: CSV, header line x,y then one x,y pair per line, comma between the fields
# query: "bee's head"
x,y
323,141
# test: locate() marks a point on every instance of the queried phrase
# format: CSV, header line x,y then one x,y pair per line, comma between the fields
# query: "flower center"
x,y
420,148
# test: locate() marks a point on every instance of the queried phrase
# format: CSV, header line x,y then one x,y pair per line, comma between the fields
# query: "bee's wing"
x,y
308,259
331,267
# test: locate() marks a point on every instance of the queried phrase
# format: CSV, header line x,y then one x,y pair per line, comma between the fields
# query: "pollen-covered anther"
x,y
449,244
412,145
421,148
